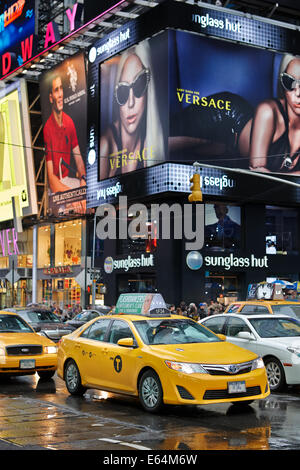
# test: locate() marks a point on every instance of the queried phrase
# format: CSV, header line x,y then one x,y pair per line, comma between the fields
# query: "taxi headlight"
x,y
50,349
2,351
258,364
186,367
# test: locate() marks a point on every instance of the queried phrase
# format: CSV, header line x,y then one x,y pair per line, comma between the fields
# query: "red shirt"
x,y
59,142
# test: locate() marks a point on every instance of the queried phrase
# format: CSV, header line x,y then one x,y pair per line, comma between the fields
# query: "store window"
x,y
4,262
25,247
281,231
44,242
222,227
68,243
136,283
223,288
145,241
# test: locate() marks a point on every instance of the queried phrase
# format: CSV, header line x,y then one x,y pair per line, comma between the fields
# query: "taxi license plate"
x,y
27,364
236,387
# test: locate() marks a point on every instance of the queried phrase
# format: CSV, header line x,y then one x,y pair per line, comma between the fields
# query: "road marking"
x,y
128,444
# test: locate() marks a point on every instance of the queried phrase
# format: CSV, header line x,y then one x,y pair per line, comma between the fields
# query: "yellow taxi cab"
x,y
144,351
267,298
22,350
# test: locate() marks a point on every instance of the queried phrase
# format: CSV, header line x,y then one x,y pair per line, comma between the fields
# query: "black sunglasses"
x,y
289,82
139,87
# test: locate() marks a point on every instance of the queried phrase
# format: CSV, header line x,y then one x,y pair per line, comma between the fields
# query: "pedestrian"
x,y
202,310
193,312
211,308
183,308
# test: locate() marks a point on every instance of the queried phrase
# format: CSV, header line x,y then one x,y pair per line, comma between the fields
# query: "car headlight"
x,y
186,367
258,364
294,350
2,351
50,349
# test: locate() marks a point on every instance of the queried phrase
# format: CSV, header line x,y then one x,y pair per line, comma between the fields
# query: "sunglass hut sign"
x,y
110,46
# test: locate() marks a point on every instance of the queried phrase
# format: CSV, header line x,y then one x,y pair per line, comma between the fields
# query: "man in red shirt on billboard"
x,y
61,141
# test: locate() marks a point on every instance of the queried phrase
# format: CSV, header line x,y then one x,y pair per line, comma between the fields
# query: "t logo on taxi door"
x,y
118,363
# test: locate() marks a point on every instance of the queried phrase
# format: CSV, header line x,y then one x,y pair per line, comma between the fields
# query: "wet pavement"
x,y
42,415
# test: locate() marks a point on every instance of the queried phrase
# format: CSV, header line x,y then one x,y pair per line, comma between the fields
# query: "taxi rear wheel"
x,y
150,392
73,379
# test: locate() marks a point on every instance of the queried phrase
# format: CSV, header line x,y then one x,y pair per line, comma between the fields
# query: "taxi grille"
x,y
223,394
228,369
24,350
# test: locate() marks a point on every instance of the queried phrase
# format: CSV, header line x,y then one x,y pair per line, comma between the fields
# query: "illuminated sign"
x,y
17,180
19,42
9,242
11,14
58,270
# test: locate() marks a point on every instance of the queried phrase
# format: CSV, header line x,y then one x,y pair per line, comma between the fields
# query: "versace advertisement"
x,y
63,101
134,108
233,106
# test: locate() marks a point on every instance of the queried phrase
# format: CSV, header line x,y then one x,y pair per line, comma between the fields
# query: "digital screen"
x,y
133,108
237,110
17,29
222,226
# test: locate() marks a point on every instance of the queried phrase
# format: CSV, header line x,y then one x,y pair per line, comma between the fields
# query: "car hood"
x,y
8,339
208,353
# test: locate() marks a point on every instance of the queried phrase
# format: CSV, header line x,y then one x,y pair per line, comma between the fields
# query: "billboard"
x,y
17,179
63,103
134,108
234,106
210,91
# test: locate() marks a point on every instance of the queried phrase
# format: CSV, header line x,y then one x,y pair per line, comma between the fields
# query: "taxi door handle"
x,y
77,346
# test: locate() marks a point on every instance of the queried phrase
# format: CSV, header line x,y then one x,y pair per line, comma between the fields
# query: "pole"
x,y
93,264
34,265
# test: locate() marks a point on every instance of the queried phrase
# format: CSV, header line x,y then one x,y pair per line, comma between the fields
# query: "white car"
x,y
276,338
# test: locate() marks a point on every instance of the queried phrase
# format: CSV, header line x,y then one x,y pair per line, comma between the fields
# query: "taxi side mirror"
x,y
127,342
221,337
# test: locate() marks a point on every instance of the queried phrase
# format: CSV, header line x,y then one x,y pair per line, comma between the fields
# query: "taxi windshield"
x,y
173,331
276,327
12,323
292,309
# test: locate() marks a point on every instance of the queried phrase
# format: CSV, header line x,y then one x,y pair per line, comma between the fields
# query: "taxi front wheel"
x,y
150,392
73,379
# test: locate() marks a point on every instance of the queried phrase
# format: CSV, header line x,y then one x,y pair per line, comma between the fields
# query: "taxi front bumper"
x,y
179,388
24,365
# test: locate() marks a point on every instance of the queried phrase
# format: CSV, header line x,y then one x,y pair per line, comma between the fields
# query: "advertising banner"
x,y
63,102
17,182
234,106
134,108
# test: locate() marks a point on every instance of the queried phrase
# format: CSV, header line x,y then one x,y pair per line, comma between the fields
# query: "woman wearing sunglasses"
x,y
134,138
275,136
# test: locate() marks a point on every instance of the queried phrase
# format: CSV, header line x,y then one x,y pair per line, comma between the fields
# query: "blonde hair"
x,y
154,134
286,59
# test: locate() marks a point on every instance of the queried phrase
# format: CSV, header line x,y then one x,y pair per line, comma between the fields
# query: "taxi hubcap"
x,y
150,391
273,374
71,376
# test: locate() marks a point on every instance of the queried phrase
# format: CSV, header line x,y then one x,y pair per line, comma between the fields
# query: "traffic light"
x,y
196,195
